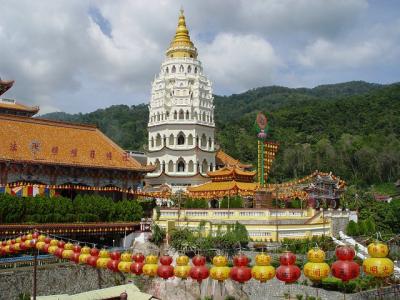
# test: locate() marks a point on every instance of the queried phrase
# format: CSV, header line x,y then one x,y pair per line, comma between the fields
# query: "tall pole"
x,y
34,274
276,215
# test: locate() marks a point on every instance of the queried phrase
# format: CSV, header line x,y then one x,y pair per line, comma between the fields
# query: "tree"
x,y
352,228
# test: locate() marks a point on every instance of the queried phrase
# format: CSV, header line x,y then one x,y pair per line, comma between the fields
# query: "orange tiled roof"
x,y
224,186
18,106
228,160
231,172
51,142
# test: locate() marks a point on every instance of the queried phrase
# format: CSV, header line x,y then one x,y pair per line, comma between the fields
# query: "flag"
x,y
17,191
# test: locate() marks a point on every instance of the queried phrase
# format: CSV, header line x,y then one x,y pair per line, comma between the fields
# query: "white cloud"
x,y
239,62
61,58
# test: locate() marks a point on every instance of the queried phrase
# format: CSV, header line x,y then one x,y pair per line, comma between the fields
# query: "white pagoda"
x,y
181,121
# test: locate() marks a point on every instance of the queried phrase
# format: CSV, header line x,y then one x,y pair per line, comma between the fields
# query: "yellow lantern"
x,y
378,249
316,255
125,263
182,260
220,271
316,269
40,245
18,240
151,259
53,246
220,261
67,252
28,244
263,259
263,271
17,247
85,254
104,258
182,269
378,265
29,236
150,267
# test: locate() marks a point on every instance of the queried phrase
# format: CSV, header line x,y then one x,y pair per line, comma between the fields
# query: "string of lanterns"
x,y
316,269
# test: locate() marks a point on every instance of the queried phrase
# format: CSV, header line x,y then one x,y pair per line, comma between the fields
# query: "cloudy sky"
x,y
78,55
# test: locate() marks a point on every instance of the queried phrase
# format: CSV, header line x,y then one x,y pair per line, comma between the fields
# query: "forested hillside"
x,y
352,129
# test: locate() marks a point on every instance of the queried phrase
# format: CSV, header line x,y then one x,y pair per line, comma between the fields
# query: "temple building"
x,y
68,158
181,124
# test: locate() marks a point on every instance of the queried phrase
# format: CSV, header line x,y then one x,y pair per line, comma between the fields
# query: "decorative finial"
x,y
181,10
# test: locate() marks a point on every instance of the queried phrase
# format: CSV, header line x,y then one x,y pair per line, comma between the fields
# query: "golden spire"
x,y
181,45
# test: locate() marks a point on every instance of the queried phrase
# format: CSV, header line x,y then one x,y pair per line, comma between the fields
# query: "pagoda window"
x,y
158,116
211,119
181,69
173,69
163,166
203,141
152,142
204,166
167,115
191,166
189,69
195,70
170,166
166,70
208,118
158,140
190,139
171,139
204,116
187,115
209,142
181,138
195,115
181,115
211,167
181,166
157,164
164,140
175,115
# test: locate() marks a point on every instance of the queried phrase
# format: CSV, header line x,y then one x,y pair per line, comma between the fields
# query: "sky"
x,y
81,55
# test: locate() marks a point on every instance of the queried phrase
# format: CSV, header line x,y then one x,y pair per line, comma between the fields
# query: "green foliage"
x,y
195,203
301,246
228,241
157,235
232,202
84,208
352,228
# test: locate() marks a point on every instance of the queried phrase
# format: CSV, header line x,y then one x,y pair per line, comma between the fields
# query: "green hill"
x,y
351,129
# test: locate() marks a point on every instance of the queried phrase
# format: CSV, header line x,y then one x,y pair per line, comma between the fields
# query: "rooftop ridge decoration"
x,y
5,85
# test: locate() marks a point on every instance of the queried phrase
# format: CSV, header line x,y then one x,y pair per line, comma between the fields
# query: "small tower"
x,y
181,117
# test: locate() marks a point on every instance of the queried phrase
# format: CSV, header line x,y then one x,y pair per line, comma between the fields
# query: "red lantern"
x,y
77,248
23,238
240,274
241,260
113,265
46,248
165,271
35,235
138,257
166,260
199,271
115,255
60,244
288,272
345,253
137,267
58,252
287,258
75,255
92,260
199,260
94,251
345,268
47,240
